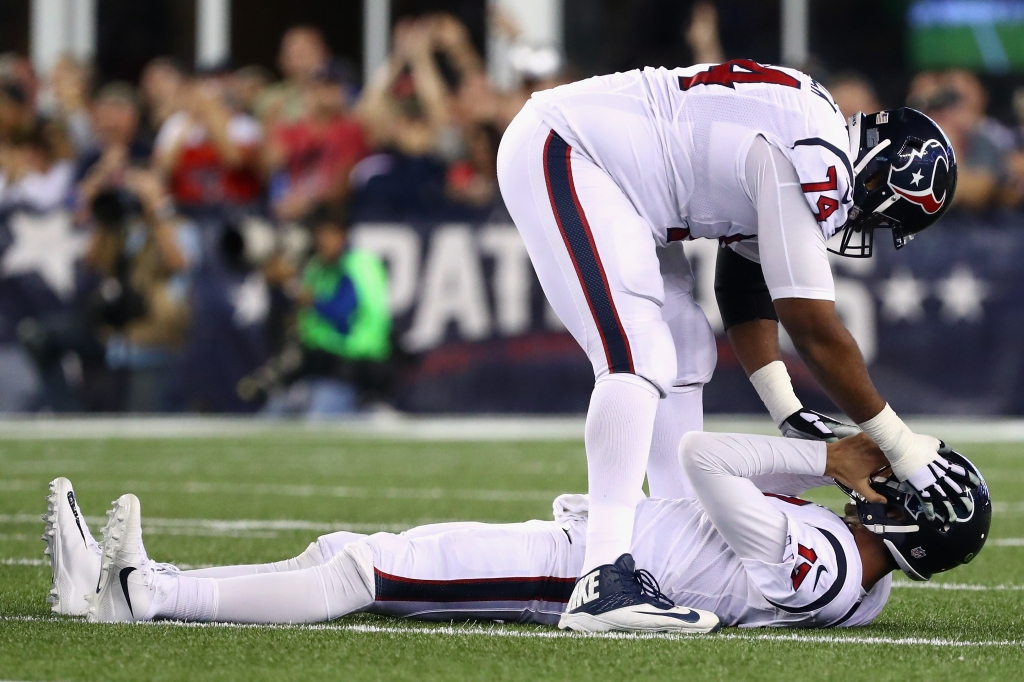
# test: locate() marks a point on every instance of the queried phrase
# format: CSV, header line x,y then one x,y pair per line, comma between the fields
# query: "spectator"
x,y
115,125
956,101
314,156
163,84
344,324
853,92
33,174
142,252
67,101
702,34
209,152
16,111
1014,190
303,55
249,83
405,105
474,180
17,69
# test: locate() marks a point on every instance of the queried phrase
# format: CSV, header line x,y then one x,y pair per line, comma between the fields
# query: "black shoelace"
x,y
649,587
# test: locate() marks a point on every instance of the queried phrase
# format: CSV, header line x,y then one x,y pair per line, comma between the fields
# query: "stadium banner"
x,y
940,322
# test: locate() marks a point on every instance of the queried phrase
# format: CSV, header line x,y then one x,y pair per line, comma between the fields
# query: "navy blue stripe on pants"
x,y
579,240
540,588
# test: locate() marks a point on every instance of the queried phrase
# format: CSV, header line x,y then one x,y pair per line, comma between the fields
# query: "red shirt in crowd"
x,y
319,156
199,175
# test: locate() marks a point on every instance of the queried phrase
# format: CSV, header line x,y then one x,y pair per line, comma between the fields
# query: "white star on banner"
x,y
44,244
961,294
916,178
902,296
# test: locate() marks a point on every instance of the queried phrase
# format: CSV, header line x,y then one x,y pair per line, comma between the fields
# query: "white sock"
x,y
678,413
620,424
191,599
313,556
775,388
312,595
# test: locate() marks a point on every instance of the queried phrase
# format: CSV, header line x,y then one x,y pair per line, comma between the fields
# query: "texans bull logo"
x,y
924,170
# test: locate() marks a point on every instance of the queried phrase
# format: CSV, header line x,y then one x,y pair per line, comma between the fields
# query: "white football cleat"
x,y
74,554
129,582
617,597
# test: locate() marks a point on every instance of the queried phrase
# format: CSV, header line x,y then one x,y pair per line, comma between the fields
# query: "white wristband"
x,y
773,384
897,441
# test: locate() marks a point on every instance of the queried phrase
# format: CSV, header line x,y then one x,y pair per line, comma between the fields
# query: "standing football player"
x,y
603,175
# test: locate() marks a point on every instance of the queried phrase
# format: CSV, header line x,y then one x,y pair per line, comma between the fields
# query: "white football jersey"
x,y
675,141
817,584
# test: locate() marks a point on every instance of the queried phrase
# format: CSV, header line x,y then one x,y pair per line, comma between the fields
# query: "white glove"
x,y
918,459
941,486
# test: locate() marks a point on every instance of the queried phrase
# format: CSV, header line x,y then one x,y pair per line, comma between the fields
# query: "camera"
x,y
113,207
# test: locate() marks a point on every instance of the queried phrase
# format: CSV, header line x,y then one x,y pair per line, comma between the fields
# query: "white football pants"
x,y
522,572
629,305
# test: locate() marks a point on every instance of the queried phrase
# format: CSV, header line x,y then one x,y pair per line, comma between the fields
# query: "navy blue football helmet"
x,y
904,177
920,548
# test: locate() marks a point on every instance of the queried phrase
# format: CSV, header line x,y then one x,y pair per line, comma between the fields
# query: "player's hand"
x,y
942,486
810,425
853,461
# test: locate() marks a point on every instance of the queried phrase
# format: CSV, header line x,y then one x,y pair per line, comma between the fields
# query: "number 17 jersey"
x,y
676,140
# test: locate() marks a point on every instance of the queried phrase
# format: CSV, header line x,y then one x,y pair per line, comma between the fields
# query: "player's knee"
x,y
313,556
692,446
653,354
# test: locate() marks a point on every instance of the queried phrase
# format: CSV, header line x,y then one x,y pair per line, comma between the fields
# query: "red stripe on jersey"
x,y
786,498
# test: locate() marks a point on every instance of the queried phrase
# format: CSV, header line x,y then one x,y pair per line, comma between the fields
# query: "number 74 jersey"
x,y
675,141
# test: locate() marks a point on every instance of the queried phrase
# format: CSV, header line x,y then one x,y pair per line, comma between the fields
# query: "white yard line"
x,y
205,488
445,428
514,633
230,527
1007,542
957,587
46,562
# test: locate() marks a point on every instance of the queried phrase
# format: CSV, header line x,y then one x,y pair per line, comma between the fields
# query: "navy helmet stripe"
x,y
540,588
579,240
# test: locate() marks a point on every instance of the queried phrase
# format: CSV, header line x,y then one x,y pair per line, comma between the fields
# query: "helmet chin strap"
x,y
887,203
902,563
867,157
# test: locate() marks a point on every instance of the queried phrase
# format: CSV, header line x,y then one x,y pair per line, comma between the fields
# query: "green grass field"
x,y
228,500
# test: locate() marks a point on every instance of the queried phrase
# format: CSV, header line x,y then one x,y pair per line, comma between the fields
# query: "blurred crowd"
x,y
990,153
154,211
195,223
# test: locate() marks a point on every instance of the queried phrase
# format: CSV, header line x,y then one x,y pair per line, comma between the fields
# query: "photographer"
x,y
344,325
142,253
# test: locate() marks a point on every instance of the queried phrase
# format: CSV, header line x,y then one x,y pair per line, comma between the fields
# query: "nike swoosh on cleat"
x,y
74,510
125,572
691,617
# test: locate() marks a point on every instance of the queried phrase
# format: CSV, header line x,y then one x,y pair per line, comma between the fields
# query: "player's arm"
x,y
720,467
752,326
794,261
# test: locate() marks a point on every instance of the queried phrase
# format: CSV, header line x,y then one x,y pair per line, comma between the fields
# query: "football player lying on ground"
x,y
735,555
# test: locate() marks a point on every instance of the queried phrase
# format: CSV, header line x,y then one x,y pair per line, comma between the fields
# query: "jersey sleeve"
x,y
815,579
826,178
790,484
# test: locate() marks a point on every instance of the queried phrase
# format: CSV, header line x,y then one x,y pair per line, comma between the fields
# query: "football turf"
x,y
226,500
